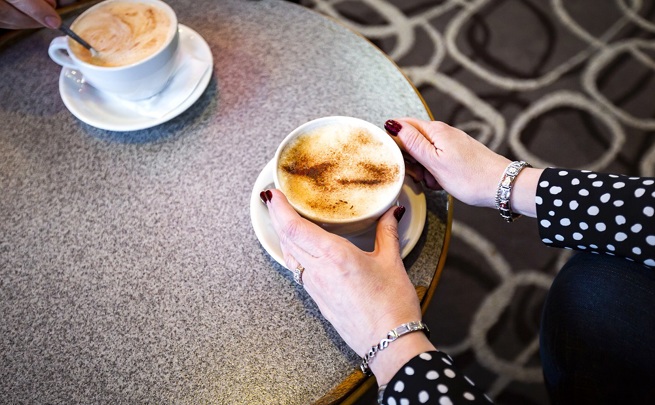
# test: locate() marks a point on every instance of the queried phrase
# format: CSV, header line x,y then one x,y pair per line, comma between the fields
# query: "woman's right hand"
x,y
445,157
449,158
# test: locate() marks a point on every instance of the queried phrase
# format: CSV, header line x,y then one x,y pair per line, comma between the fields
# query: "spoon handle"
x,y
63,28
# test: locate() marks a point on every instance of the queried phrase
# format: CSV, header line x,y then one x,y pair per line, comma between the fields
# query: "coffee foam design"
x,y
338,172
122,33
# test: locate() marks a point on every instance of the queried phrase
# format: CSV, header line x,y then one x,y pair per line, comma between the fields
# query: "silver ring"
x,y
297,274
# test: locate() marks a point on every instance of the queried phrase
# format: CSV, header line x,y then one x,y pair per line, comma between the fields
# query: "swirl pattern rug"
x,y
556,83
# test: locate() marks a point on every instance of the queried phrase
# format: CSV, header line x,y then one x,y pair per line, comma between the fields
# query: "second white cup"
x,y
146,71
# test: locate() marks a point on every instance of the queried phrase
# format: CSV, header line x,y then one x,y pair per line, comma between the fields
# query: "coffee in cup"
x,y
137,43
121,32
342,173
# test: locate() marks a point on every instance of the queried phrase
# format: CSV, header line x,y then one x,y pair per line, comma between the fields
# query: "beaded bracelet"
x,y
504,191
391,336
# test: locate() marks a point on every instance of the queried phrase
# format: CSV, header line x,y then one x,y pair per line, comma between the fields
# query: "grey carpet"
x,y
557,83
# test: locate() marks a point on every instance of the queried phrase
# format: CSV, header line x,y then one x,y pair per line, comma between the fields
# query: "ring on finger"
x,y
297,274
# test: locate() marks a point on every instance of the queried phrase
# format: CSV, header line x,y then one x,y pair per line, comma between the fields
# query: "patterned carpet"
x,y
557,83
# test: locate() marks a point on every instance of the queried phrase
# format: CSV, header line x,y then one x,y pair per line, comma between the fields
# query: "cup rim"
x,y
173,32
323,121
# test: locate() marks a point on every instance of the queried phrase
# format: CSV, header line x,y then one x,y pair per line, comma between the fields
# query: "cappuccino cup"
x,y
136,42
341,173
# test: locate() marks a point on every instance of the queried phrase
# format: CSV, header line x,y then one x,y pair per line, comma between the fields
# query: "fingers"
x,y
421,142
411,139
433,130
31,13
386,234
430,182
419,174
11,18
300,238
425,141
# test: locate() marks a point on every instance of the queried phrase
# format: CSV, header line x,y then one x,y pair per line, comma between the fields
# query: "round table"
x,y
129,268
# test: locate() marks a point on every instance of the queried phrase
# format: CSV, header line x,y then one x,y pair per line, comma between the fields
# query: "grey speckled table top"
x,y
129,268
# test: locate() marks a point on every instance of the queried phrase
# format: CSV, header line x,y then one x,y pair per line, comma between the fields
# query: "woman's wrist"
x,y
524,192
387,362
492,175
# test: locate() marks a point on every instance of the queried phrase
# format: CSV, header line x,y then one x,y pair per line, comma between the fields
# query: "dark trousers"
x,y
597,340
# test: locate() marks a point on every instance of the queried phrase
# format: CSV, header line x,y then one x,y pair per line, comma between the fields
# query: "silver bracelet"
x,y
391,336
504,191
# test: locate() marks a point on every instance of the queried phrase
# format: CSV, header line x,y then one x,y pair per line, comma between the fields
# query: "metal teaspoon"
x,y
66,30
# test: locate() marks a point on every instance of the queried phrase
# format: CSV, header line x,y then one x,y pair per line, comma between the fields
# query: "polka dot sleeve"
x,y
597,212
430,378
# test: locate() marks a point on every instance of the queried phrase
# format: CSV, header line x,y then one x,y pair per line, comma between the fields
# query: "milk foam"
x,y
122,33
338,172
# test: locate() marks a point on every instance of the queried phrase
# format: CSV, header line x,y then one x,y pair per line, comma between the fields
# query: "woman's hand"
x,y
447,157
20,14
362,294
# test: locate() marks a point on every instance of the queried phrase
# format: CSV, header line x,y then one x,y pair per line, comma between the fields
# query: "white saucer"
x,y
103,111
409,229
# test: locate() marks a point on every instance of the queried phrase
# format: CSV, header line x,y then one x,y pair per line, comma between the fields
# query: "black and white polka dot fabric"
x,y
597,212
576,209
430,378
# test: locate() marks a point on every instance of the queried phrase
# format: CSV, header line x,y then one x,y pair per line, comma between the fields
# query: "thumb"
x,y
386,233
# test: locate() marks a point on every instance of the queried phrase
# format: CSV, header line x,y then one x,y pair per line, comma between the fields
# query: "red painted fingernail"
x,y
393,127
399,212
266,196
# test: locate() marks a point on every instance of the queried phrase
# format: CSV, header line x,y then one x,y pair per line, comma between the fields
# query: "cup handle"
x,y
58,52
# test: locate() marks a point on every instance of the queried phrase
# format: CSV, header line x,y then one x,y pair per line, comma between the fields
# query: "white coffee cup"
x,y
139,80
341,173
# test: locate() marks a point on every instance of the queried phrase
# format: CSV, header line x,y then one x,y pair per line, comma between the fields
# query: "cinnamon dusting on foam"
x,y
337,172
122,33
